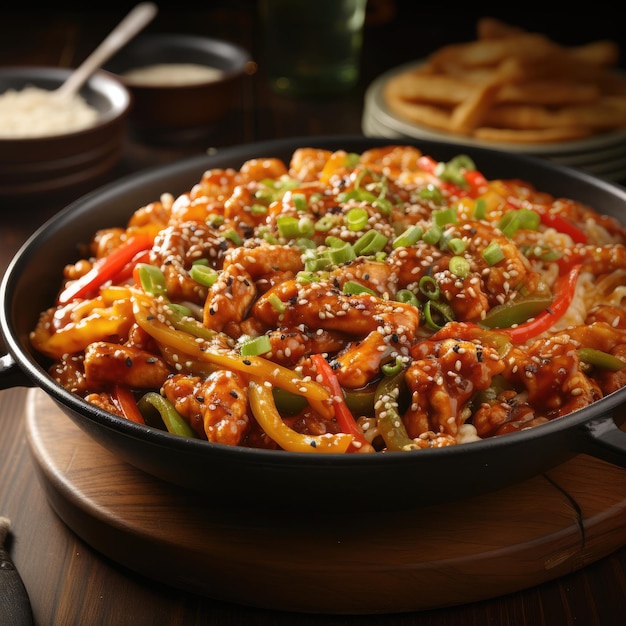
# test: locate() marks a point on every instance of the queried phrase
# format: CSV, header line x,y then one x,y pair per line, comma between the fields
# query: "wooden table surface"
x,y
67,580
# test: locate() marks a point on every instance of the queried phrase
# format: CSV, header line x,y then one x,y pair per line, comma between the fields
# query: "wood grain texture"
x,y
397,561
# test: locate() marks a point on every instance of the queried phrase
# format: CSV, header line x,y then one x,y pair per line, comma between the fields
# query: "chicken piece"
x,y
228,300
322,305
360,363
265,260
177,247
217,404
442,379
307,163
107,364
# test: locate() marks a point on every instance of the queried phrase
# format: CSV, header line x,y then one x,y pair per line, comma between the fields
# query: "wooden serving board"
x,y
383,562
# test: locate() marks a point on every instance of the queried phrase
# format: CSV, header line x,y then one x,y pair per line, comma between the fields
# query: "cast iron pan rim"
x,y
33,371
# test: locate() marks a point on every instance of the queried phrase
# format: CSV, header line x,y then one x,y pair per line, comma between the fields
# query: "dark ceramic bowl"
x,y
163,110
247,476
39,166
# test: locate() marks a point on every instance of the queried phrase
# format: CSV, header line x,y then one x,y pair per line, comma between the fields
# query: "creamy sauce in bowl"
x,y
172,74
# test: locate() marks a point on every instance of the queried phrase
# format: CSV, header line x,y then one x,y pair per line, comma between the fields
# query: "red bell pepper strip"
x,y
564,289
106,268
553,220
427,164
475,180
127,404
344,416
127,271
562,225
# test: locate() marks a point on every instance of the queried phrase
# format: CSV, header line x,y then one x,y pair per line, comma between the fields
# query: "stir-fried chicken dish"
x,y
345,303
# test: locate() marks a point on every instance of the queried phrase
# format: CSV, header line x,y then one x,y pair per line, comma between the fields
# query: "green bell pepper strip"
x,y
388,418
343,415
598,358
564,289
173,420
516,311
106,268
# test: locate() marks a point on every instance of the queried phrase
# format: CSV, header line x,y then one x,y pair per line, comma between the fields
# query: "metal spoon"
x,y
135,21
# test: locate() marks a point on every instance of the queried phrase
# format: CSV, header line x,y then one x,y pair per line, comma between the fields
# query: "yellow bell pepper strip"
x,y
125,400
207,351
388,418
85,321
343,415
267,415
173,420
564,289
106,268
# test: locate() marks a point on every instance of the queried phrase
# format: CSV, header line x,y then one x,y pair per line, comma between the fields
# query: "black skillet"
x,y
280,478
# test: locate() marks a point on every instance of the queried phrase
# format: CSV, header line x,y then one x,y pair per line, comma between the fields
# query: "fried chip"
x,y
510,85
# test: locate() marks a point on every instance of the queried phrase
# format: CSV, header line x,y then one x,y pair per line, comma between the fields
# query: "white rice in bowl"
x,y
35,112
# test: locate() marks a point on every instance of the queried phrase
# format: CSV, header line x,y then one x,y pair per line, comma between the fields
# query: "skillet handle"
x,y
605,440
11,375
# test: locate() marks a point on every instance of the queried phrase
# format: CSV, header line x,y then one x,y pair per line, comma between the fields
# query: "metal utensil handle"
x,y
141,15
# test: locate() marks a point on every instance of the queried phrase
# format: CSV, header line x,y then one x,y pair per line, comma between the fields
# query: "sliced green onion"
x,y
300,201
215,220
277,304
459,266
314,261
325,223
352,160
443,217
357,219
353,288
370,243
493,253
152,279
258,209
407,297
457,245
428,286
409,237
361,195
480,209
203,274
304,243
339,256
432,235
383,205
439,310
306,278
256,346
291,227
431,192
392,368
233,236
452,171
